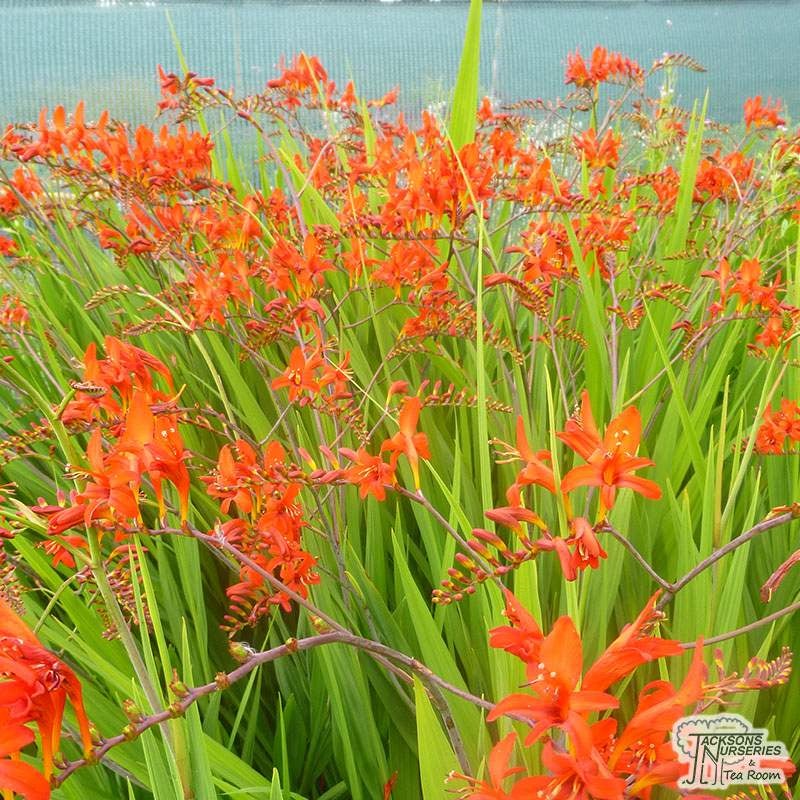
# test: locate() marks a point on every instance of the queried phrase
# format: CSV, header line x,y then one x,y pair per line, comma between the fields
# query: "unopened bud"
x,y
177,686
132,711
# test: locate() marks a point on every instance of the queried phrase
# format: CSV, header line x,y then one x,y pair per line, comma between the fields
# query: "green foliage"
x,y
332,721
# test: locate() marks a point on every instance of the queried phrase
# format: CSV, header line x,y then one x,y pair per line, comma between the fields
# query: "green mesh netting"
x,y
106,52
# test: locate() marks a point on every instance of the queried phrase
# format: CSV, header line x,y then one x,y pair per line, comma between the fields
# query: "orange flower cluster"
x,y
758,114
585,759
426,182
264,490
778,318
23,185
306,76
307,374
779,428
173,88
587,751
118,393
405,185
547,251
371,473
602,68
34,688
611,459
13,313
598,153
150,160
723,177
409,186
611,464
376,214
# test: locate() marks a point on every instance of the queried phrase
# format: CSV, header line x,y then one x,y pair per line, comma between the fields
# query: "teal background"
x,y
107,52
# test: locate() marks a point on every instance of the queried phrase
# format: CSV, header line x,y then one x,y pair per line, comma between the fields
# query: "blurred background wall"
x,y
106,52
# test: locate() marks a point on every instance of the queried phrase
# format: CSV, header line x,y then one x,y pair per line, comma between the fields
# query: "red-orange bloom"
x,y
523,637
500,770
556,701
35,688
611,460
409,442
110,493
599,153
632,648
16,776
155,447
661,705
124,369
777,426
758,114
370,473
603,66
301,375
575,777
535,472
587,548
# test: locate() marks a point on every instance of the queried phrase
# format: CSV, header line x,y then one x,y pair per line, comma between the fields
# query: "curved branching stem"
x,y
434,683
640,559
751,626
733,544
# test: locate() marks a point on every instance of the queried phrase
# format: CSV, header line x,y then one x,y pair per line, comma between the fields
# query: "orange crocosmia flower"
x,y
632,648
747,281
777,425
16,776
774,332
651,762
124,369
57,548
499,769
300,375
390,98
535,472
370,473
242,481
556,701
603,66
155,447
24,184
588,550
356,260
748,285
757,114
771,435
722,275
7,246
36,687
577,72
230,479
661,705
721,176
599,153
575,777
611,460
303,74
111,492
348,97
523,637
580,432
13,313
485,112
409,441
